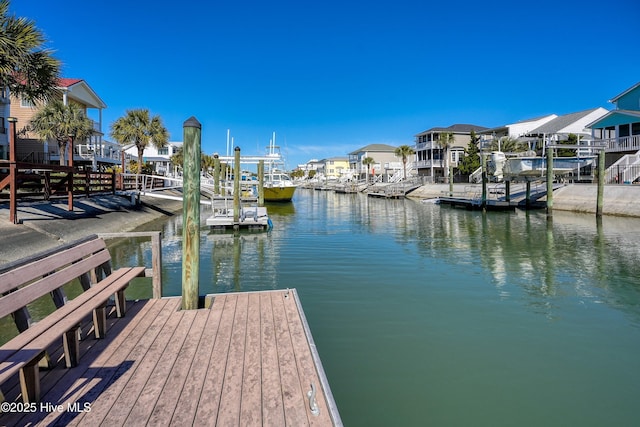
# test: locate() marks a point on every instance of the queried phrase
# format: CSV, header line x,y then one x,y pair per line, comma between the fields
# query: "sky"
x,y
330,77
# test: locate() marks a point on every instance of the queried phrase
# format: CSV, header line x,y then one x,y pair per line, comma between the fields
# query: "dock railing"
x,y
156,255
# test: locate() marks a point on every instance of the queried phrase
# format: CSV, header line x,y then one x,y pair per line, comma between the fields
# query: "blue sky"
x,y
333,76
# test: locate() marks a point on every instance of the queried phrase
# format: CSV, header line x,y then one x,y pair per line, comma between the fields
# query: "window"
x,y
635,128
2,128
163,151
25,103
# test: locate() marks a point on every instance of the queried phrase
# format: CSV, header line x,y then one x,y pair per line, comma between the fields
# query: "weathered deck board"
x,y
248,360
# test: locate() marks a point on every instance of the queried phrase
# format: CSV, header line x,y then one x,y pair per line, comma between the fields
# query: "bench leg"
x,y
71,347
30,382
100,321
121,303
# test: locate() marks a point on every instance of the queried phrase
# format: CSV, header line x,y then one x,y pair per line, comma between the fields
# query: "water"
x,y
428,315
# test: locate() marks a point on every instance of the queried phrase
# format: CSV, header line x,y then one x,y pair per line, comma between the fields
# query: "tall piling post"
x,y
528,195
600,196
236,187
483,160
191,214
216,174
549,182
261,183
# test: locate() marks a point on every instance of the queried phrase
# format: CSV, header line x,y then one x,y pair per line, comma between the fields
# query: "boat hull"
x,y
278,194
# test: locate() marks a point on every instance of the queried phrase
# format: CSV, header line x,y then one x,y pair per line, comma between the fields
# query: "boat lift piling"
x,y
549,183
261,183
191,214
236,188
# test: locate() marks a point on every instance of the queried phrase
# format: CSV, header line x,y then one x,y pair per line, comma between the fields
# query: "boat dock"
x,y
250,217
247,359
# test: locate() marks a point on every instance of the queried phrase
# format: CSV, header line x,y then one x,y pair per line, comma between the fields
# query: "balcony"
x,y
621,144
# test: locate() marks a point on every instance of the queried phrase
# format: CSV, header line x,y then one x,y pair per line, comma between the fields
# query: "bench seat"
x,y
25,352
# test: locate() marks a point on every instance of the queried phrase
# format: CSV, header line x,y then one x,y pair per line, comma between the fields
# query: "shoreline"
x,y
46,225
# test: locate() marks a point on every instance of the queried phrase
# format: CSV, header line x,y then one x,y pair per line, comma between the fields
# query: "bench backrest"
x,y
34,278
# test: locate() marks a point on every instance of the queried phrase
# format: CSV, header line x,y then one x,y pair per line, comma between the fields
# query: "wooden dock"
x,y
249,359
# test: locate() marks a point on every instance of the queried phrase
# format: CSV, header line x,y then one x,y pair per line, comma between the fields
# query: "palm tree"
x,y
445,141
139,128
508,144
26,67
63,123
368,161
404,151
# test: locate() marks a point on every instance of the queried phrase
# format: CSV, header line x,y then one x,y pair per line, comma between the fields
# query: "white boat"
x,y
500,166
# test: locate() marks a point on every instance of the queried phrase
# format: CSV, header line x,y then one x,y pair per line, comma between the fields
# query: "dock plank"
x,y
121,364
292,390
272,406
251,401
207,411
248,360
195,377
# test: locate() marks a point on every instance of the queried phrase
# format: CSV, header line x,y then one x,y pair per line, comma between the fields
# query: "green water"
x,y
426,315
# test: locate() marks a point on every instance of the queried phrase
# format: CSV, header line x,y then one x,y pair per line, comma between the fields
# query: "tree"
x,y
572,139
404,151
368,161
508,144
63,123
26,68
471,160
445,141
139,128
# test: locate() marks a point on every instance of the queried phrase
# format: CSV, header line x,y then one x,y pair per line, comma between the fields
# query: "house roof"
x,y
457,128
505,127
615,117
382,148
80,90
560,122
615,98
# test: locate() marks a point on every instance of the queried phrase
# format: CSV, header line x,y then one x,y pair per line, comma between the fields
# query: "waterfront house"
x,y
334,167
94,153
619,132
430,160
513,130
383,155
159,158
559,129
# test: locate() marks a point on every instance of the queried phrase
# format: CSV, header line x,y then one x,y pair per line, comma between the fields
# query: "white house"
x,y
158,157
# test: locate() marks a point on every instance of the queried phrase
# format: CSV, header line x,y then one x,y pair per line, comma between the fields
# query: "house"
x,y
94,153
515,130
159,158
430,159
334,167
4,124
384,160
561,127
619,132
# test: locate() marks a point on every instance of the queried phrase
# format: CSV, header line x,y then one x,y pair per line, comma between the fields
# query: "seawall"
x,y
620,200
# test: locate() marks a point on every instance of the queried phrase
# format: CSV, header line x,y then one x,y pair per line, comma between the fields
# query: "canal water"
x,y
428,315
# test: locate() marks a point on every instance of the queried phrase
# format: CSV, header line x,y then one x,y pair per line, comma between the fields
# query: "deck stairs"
x,y
626,169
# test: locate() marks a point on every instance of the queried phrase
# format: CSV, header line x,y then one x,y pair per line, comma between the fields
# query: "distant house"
x,y
159,158
334,167
513,130
94,153
383,156
561,127
430,159
619,132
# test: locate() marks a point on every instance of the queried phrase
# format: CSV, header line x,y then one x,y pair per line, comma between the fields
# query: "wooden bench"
x,y
25,281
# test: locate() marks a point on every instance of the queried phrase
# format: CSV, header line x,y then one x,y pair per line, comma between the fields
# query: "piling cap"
x,y
192,122
237,148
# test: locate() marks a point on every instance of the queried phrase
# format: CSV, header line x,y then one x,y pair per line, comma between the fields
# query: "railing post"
x,y
156,264
13,172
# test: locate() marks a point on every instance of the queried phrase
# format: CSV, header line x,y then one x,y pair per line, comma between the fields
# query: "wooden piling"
x,y
236,185
261,183
483,158
191,214
216,174
549,182
600,196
